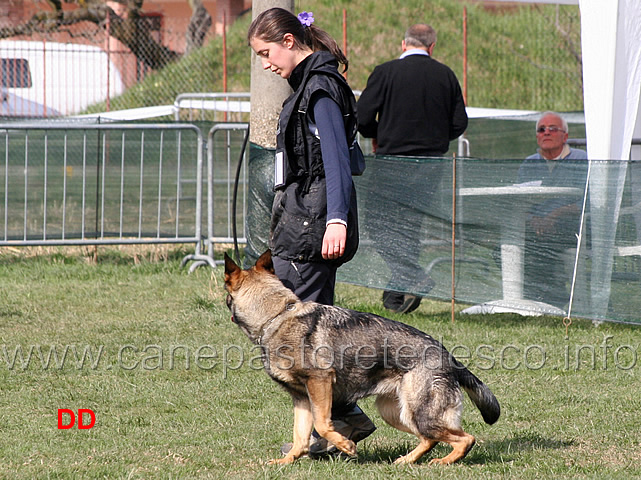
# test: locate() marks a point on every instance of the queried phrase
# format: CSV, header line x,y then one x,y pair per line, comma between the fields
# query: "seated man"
x,y
552,225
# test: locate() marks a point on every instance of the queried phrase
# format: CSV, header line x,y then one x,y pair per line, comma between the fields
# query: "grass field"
x,y
178,392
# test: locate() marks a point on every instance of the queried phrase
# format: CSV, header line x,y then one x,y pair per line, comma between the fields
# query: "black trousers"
x,y
310,281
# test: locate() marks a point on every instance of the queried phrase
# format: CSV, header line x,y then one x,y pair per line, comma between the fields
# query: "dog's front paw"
x,y
287,459
347,447
403,461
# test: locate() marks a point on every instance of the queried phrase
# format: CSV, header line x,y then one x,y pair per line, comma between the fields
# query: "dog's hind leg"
x,y
389,408
461,443
319,390
303,423
432,412
440,420
423,447
437,422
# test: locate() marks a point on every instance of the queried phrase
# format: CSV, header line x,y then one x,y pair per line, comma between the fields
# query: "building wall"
x,y
175,17
11,11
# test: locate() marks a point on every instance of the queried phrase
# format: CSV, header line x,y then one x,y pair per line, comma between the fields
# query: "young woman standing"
x,y
314,225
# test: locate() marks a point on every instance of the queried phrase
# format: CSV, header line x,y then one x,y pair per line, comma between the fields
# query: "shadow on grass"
x,y
484,453
509,448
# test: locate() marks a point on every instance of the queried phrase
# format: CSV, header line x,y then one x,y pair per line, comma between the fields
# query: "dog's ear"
x,y
231,269
265,261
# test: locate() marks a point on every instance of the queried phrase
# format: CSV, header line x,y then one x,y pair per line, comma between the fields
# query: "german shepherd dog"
x,y
325,354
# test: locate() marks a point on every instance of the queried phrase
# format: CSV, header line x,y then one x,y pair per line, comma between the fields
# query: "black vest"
x,y
299,212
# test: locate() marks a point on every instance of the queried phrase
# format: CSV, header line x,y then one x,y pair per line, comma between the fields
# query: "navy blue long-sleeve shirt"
x,y
329,126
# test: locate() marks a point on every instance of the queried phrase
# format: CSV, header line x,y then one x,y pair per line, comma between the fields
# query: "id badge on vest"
x,y
280,174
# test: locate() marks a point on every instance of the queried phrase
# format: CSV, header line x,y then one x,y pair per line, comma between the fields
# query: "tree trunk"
x,y
199,25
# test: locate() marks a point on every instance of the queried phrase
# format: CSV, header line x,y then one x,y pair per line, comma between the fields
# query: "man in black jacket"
x,y
411,106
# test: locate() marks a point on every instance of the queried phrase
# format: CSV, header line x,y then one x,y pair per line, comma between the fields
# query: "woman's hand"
x,y
334,241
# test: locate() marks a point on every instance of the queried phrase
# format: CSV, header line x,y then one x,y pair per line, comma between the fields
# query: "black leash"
x,y
235,195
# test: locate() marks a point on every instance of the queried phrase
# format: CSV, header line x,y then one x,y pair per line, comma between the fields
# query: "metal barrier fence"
x,y
226,188
88,184
216,106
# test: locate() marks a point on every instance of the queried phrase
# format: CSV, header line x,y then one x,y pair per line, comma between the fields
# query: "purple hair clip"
x,y
306,18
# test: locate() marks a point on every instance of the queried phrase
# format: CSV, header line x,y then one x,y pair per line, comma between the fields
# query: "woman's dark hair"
x,y
272,25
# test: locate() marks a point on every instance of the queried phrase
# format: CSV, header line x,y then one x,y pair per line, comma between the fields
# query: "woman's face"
x,y
279,57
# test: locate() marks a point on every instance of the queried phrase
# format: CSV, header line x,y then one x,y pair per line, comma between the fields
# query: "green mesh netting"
x,y
504,261
259,202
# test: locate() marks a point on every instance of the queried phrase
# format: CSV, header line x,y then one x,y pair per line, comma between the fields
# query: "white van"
x,y
53,79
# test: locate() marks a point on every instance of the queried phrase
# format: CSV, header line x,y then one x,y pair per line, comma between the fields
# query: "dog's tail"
x,y
480,394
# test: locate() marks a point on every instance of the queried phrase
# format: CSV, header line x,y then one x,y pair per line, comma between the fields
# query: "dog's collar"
x,y
288,307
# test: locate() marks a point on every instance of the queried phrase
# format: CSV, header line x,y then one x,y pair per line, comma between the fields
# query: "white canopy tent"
x,y
611,51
